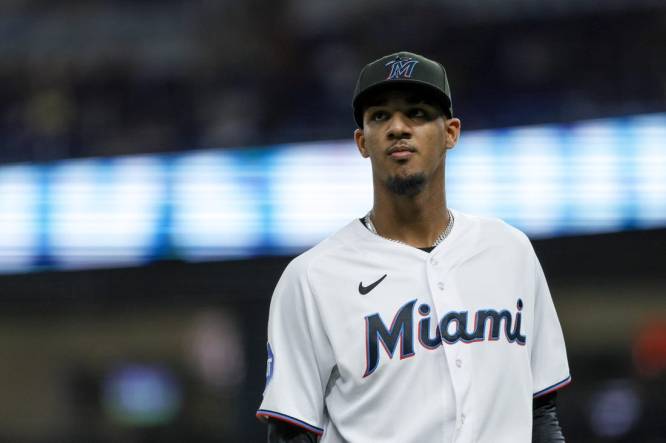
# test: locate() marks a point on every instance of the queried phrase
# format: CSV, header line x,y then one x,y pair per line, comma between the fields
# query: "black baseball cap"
x,y
402,68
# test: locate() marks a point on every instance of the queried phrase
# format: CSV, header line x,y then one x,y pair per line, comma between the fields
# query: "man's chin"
x,y
406,185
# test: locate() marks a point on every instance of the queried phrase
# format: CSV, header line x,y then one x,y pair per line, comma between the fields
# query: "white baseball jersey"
x,y
370,340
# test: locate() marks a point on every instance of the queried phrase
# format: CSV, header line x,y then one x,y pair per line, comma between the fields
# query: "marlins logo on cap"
x,y
401,67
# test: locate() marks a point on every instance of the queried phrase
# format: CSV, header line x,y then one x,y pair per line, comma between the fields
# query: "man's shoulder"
x,y
296,283
340,242
494,229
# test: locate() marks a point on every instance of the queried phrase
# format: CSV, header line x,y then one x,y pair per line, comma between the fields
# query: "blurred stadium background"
x,y
162,161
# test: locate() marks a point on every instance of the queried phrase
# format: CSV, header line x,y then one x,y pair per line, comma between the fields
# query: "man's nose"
x,y
399,126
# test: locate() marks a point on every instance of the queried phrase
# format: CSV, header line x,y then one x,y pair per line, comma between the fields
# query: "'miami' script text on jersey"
x,y
452,328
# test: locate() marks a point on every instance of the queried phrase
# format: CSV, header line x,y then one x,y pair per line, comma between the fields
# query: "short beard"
x,y
406,186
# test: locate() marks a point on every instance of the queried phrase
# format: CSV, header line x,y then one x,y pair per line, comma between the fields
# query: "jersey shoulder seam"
x,y
503,226
310,257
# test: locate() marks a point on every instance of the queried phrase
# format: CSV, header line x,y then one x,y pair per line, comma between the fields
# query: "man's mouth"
x,y
401,150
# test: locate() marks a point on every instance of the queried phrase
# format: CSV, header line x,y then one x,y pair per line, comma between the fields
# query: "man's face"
x,y
405,135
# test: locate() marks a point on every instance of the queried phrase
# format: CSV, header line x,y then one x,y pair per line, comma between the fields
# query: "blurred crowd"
x,y
89,78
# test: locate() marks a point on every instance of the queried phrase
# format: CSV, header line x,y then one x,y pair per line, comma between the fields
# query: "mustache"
x,y
400,145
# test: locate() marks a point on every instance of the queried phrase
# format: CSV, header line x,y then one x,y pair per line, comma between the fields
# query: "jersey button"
x,y
434,261
440,285
462,419
458,362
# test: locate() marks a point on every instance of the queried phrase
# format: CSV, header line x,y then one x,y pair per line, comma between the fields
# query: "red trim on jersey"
x,y
263,413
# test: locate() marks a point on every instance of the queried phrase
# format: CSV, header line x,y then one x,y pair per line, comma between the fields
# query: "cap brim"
x,y
440,96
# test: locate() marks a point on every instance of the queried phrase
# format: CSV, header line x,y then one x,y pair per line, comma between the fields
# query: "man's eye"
x,y
417,113
379,116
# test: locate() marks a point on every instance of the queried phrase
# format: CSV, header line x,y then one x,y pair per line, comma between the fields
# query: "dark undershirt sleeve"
x,y
279,432
545,424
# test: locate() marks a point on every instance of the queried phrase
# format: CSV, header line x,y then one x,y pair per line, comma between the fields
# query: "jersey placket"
x,y
445,298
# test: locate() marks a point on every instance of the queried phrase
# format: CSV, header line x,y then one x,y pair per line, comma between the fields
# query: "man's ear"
x,y
452,132
359,138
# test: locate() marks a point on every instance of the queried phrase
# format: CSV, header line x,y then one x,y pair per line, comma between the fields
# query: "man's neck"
x,y
415,220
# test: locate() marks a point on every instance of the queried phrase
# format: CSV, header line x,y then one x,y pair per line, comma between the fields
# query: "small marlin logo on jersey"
x,y
270,363
401,67
451,329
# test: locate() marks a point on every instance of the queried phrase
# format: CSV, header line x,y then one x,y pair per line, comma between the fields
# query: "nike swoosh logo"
x,y
365,289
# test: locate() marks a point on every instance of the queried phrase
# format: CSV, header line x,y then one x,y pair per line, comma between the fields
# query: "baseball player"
x,y
416,322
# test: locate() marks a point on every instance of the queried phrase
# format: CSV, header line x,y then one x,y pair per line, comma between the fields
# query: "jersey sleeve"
x,y
550,367
300,358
